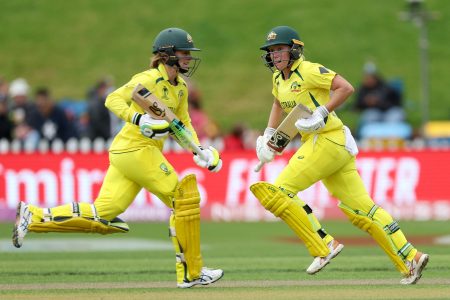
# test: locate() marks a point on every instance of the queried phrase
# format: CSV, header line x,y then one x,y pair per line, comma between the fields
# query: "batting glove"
x,y
151,128
313,123
265,153
213,161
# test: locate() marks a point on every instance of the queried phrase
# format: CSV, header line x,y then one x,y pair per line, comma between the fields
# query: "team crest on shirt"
x,y
164,168
180,94
295,87
271,36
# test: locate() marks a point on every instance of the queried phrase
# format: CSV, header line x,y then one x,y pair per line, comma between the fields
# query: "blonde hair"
x,y
155,60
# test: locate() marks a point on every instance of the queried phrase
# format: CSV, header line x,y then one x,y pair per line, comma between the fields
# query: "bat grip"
x,y
259,166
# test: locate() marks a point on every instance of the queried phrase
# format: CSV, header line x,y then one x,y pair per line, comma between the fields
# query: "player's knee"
x,y
271,197
363,222
106,212
300,184
166,190
168,187
187,197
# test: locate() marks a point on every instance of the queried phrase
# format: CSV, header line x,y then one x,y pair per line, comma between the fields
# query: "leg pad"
x,y
185,229
79,224
293,214
379,224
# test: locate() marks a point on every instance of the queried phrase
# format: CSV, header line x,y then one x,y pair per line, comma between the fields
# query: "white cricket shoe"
x,y
416,267
320,262
23,220
207,276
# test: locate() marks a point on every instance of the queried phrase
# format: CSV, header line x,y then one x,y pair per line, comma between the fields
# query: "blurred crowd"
x,y
34,120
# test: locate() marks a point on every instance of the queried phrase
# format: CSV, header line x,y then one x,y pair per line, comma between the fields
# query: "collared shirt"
x,y
121,104
309,84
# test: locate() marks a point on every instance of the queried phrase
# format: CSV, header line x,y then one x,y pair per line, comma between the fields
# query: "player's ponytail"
x,y
155,60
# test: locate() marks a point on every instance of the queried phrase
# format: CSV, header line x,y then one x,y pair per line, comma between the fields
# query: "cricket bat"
x,y
151,105
286,131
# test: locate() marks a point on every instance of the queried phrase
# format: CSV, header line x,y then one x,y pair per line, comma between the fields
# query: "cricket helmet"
x,y
282,35
175,39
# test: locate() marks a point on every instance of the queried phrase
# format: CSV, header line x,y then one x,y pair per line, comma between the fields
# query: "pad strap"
x,y
179,257
76,209
372,211
404,251
47,215
392,228
94,213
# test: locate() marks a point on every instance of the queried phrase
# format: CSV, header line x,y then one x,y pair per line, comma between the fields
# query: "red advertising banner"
x,y
410,185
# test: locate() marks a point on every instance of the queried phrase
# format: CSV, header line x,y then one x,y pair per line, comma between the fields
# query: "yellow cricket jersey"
x,y
310,84
122,105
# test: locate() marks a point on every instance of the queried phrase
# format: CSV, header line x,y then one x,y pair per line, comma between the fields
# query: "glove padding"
x,y
265,153
153,128
313,123
213,161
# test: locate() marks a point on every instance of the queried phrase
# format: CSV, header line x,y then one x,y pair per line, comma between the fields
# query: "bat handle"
x,y
259,166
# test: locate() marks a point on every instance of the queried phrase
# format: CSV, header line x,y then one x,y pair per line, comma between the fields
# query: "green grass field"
x,y
261,260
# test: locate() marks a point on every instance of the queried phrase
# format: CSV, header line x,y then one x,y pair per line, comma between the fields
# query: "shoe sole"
x,y
336,252
185,286
15,237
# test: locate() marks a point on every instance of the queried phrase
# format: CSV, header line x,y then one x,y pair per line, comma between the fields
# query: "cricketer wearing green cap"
x,y
327,153
137,161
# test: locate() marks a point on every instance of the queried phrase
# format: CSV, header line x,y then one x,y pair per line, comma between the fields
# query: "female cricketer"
x,y
137,161
327,153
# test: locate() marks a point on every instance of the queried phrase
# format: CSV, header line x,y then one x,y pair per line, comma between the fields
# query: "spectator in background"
x,y
205,127
234,141
6,125
3,89
98,114
50,120
381,105
102,123
377,100
20,110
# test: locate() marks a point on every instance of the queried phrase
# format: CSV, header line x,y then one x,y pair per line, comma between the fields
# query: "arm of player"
x,y
264,153
286,131
314,122
183,113
342,89
154,107
276,114
152,128
120,102
117,104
